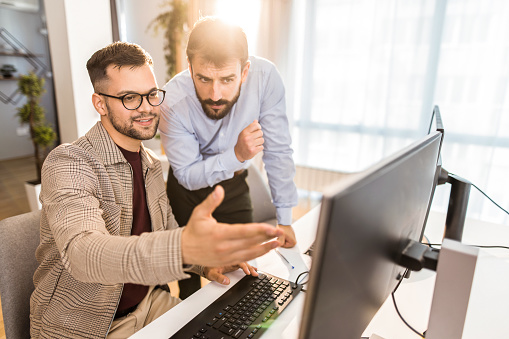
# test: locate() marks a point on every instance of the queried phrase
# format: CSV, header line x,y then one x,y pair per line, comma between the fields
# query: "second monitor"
x,y
364,225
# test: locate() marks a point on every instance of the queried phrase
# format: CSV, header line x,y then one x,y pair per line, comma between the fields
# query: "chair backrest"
x,y
263,209
19,238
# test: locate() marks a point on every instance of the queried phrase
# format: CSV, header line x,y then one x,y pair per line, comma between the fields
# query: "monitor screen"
x,y
364,224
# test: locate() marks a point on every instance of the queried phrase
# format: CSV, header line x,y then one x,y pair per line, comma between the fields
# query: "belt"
x,y
239,172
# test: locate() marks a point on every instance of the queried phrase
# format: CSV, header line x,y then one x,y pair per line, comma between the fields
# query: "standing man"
x,y
221,112
109,241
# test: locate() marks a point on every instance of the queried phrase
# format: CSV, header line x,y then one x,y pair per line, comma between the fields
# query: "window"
x,y
371,71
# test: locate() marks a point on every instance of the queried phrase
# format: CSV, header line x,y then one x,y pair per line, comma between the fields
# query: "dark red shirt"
x,y
132,294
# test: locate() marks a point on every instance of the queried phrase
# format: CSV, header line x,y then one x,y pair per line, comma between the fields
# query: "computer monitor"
x,y
365,223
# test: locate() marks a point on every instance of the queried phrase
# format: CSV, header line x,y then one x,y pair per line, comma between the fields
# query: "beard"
x,y
217,114
127,128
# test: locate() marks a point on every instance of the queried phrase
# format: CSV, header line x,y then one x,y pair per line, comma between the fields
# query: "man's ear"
x,y
189,66
99,104
245,71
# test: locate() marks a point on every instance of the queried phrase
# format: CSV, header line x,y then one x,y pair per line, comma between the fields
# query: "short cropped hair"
x,y
119,54
217,41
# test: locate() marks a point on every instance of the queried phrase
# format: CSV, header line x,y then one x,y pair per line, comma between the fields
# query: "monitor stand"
x,y
458,203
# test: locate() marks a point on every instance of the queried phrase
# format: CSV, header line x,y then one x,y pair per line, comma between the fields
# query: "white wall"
x,y
138,17
25,27
76,30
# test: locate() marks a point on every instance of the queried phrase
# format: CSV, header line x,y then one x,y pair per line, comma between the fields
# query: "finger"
x,y
210,203
254,270
289,242
215,275
259,142
257,134
245,268
282,240
252,233
249,253
254,126
248,269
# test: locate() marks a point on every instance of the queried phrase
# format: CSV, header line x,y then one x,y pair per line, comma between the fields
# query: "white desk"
x,y
414,296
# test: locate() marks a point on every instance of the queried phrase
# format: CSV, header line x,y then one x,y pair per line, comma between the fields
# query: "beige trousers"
x,y
155,304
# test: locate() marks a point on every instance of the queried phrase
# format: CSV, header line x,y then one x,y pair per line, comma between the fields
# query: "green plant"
x,y
42,134
172,23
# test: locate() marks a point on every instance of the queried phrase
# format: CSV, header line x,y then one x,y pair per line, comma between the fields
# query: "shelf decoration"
x,y
19,50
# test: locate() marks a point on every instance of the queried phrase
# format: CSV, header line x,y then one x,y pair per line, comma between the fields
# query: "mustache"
x,y
144,116
218,102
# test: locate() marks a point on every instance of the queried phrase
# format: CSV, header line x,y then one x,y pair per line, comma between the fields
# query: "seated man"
x,y
109,241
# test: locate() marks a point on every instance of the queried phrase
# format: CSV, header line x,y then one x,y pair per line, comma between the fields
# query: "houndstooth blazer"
x,y
86,251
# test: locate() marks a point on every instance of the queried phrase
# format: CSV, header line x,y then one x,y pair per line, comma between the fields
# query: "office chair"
x,y
19,238
263,209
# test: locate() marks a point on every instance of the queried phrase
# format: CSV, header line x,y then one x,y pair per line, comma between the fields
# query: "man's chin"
x,y
216,115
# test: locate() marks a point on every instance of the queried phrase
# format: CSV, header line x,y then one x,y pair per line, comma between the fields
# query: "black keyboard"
x,y
246,310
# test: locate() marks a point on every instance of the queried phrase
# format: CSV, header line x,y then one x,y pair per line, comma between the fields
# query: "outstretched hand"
x,y
209,243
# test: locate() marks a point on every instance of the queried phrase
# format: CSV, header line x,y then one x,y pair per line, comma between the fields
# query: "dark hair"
x,y
118,54
217,41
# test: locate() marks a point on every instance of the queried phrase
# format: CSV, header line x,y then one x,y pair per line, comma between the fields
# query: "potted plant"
x,y
173,23
42,134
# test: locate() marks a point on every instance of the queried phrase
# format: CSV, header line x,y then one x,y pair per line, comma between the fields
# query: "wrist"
x,y
237,155
183,248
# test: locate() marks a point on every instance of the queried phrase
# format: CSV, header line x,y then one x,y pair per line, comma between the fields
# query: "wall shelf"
x,y
18,50
19,54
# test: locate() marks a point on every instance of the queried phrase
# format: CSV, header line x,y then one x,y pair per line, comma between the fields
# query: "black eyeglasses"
x,y
132,101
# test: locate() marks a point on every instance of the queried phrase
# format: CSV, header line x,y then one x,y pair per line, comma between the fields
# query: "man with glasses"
x,y
109,241
226,108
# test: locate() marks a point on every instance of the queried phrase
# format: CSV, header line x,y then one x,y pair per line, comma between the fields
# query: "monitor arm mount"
x,y
458,202
416,256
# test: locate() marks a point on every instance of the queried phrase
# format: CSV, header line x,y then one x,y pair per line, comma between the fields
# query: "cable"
x,y
490,199
297,280
397,310
480,246
481,191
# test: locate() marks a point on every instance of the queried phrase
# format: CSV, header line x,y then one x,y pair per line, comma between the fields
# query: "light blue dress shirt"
x,y
201,150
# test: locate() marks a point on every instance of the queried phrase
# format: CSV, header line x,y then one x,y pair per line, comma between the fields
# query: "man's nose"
x,y
215,94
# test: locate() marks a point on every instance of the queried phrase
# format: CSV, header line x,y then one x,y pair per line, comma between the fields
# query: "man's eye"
x,y
130,97
204,79
154,94
227,81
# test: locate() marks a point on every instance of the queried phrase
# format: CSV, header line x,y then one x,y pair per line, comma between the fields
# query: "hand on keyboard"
x,y
217,273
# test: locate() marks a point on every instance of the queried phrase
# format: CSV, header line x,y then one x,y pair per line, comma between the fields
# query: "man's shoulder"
x,y
94,145
261,64
71,152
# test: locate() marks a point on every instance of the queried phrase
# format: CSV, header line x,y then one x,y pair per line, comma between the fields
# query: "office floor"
x,y
13,201
13,174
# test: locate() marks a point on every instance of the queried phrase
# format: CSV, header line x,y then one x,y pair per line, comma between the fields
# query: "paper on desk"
x,y
273,264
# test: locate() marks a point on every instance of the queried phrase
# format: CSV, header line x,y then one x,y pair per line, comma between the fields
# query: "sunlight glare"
x,y
244,13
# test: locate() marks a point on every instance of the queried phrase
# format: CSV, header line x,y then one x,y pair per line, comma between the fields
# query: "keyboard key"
x,y
219,323
227,330
238,333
